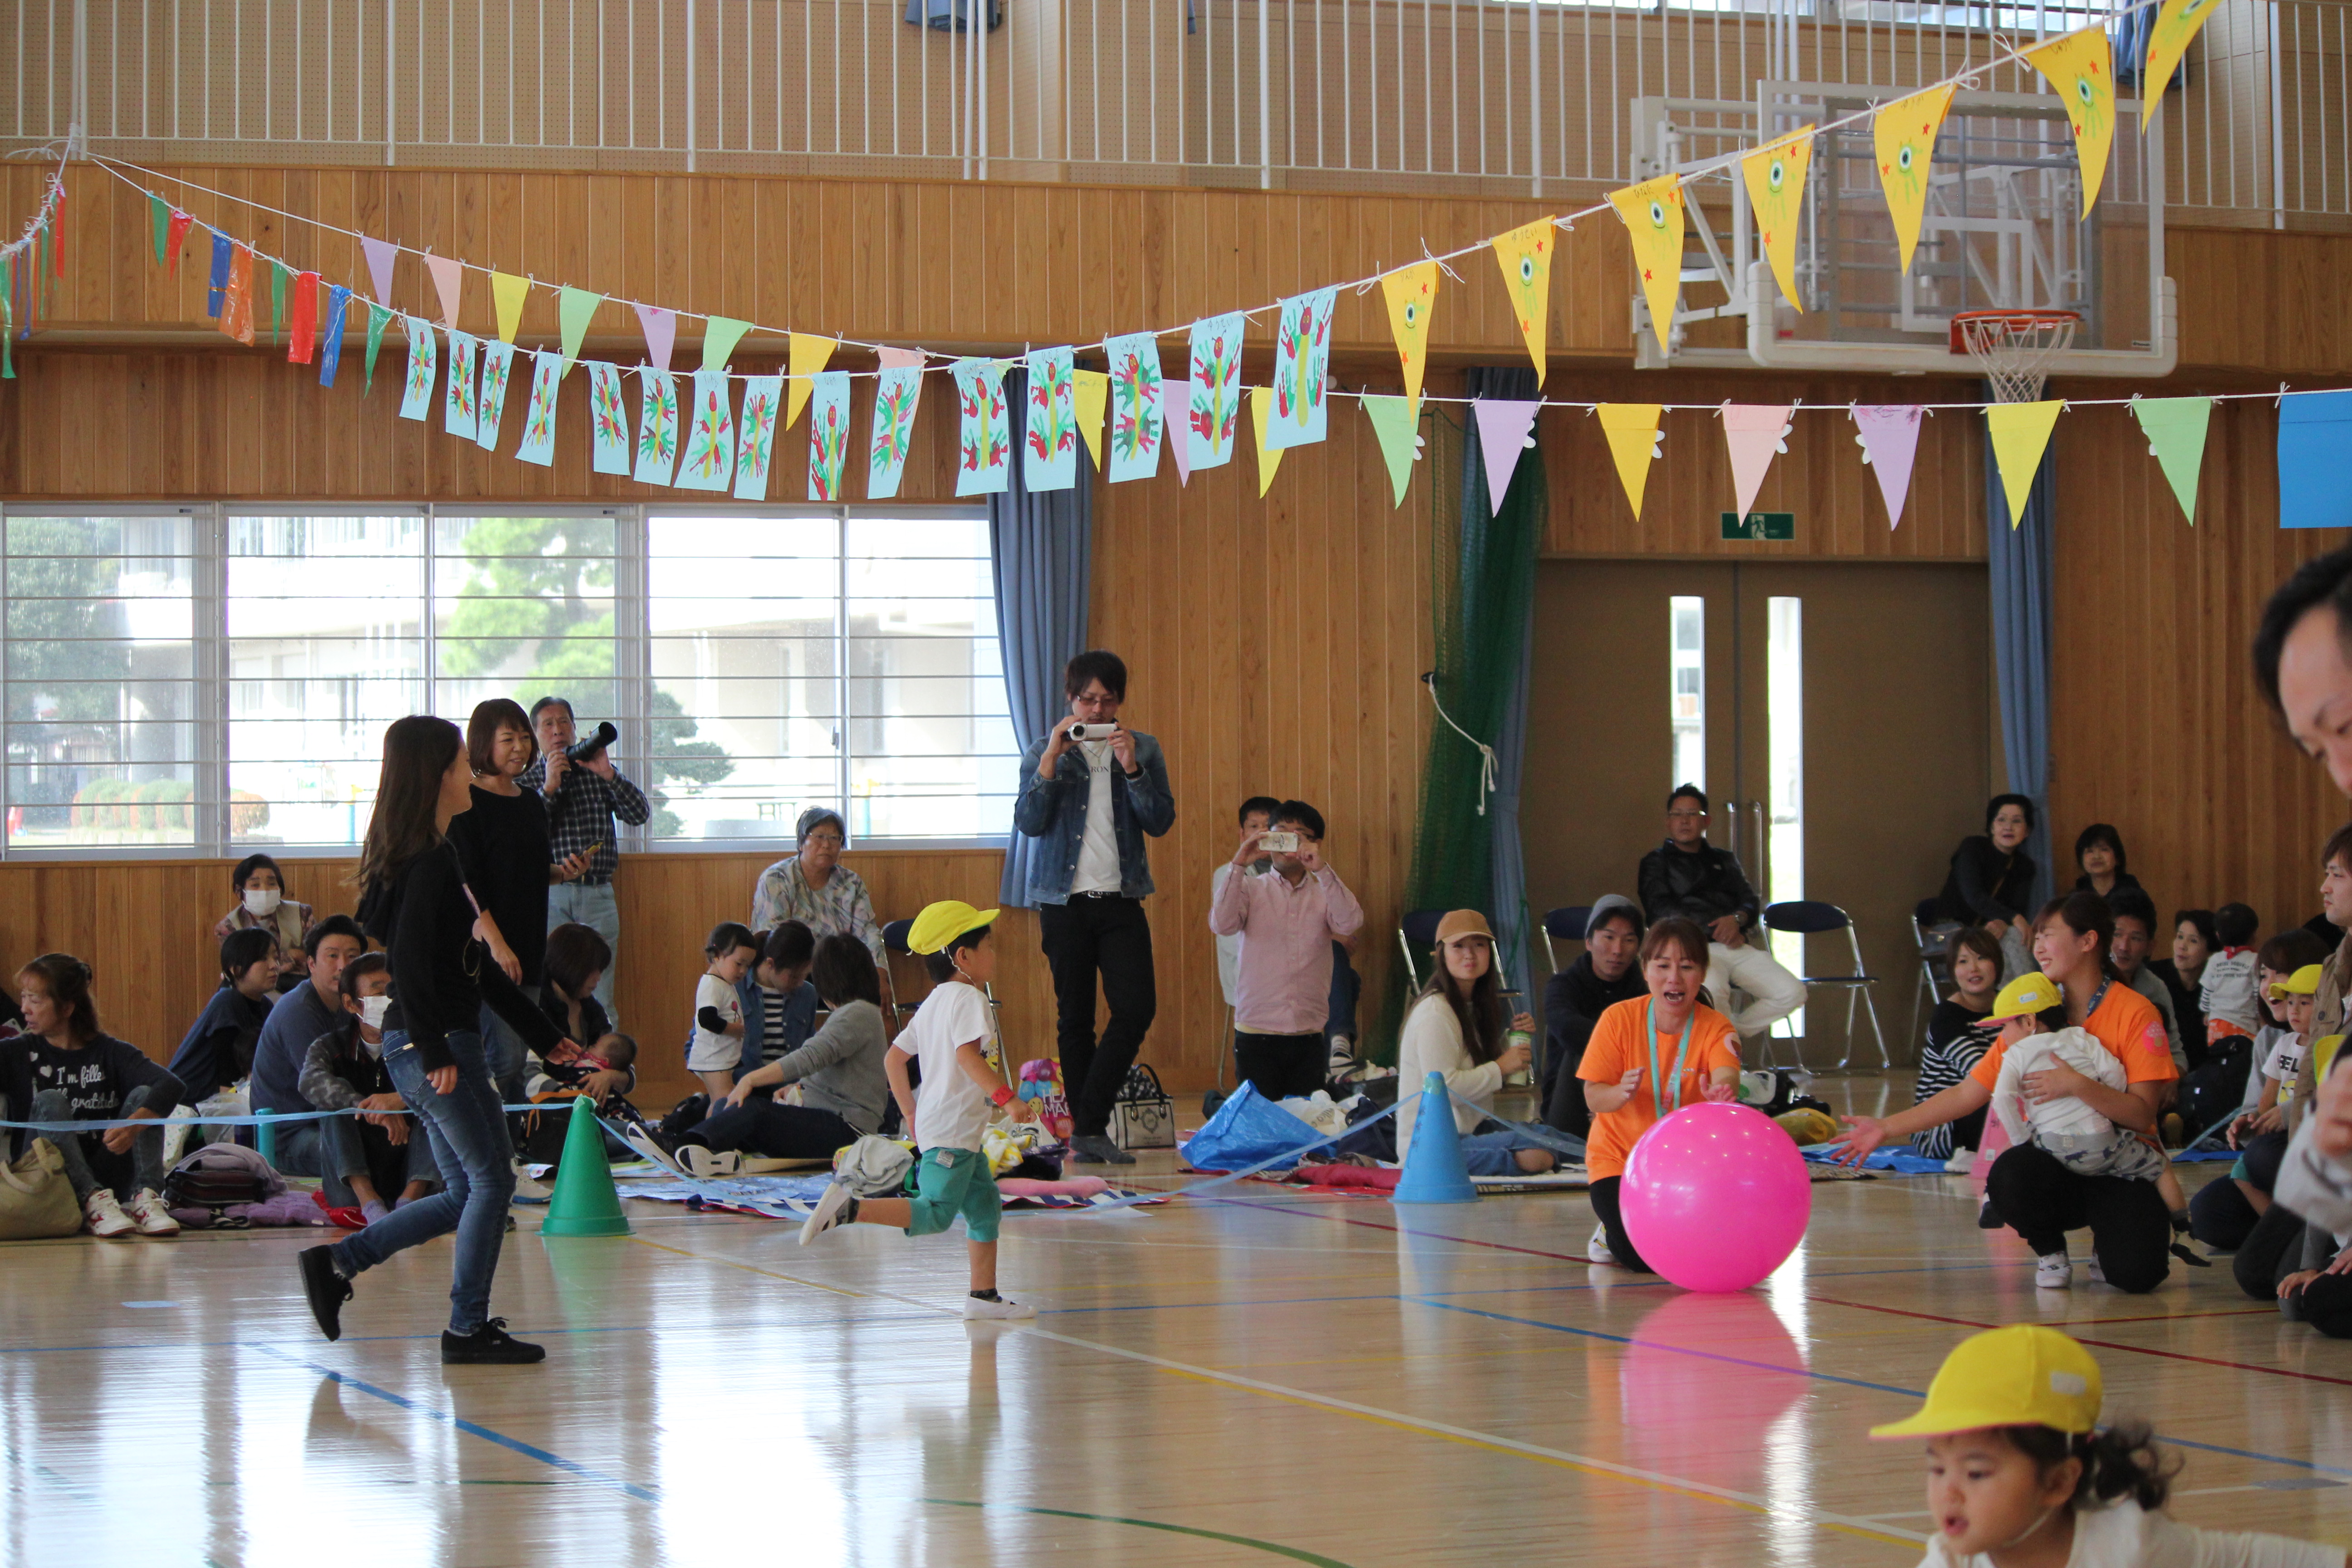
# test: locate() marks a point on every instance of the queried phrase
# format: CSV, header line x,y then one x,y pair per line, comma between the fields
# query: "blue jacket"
x,y
1054,810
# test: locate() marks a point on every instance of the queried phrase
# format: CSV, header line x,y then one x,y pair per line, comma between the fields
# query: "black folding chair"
x,y
1809,917
1418,930
1929,932
1567,924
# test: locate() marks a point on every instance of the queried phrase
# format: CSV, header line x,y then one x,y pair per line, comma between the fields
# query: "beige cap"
x,y
1459,923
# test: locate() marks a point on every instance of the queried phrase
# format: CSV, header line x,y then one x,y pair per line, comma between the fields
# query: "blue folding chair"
x,y
1809,917
1567,924
1418,928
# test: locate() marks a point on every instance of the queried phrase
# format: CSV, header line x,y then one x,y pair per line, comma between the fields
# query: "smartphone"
x,y
1275,842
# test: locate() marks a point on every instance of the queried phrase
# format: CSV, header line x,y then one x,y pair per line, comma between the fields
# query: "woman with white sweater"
x,y
1456,1030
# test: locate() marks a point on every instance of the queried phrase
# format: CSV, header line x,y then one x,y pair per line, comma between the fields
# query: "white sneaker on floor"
x,y
1962,1162
704,1163
147,1212
525,1187
2053,1272
639,1139
837,1206
1001,1310
2098,1275
1597,1249
103,1216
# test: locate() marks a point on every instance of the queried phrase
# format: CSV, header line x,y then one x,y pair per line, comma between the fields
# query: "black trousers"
x,y
1086,939
2273,1251
777,1132
1612,1221
1563,1091
1282,1065
2043,1200
2220,1214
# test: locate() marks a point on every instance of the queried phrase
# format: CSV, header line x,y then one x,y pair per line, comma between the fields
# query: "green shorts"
x,y
949,1182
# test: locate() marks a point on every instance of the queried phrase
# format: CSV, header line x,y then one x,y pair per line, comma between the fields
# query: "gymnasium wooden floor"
x,y
1265,1377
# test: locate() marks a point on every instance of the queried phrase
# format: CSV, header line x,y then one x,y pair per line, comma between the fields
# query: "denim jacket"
x,y
1054,810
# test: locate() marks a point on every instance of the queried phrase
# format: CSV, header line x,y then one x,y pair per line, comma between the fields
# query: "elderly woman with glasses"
x,y
816,889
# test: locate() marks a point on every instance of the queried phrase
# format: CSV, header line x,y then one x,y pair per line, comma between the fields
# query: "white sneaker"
x,y
104,1217
639,1139
837,1206
704,1163
146,1209
527,1187
973,1307
1597,1249
2053,1272
1962,1162
2098,1275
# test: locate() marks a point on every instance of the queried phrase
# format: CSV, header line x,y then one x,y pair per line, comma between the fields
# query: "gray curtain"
x,y
2019,563
1040,548
1507,873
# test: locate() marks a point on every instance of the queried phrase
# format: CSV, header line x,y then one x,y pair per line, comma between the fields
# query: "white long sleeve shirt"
x,y
1431,1042
2068,1118
2125,1536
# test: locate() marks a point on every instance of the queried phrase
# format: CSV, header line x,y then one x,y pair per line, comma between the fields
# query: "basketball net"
x,y
2014,347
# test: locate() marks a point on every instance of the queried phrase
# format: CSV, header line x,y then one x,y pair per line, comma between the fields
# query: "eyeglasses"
x,y
1686,816
824,840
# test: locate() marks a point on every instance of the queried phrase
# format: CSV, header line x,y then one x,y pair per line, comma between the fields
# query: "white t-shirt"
x,y
2125,1536
2067,1117
2285,1062
1099,847
715,1052
950,1110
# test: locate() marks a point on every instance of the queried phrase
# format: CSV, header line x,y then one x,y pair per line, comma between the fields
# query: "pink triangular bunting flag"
x,y
1178,395
449,281
381,254
1888,435
1754,432
901,359
1504,425
661,332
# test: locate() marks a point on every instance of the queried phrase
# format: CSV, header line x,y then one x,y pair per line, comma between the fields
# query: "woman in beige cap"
x,y
1456,1030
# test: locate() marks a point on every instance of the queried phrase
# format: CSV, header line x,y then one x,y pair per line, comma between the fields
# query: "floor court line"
x,y
1296,1554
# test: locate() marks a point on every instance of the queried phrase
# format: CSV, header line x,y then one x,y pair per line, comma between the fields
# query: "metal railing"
x,y
1494,97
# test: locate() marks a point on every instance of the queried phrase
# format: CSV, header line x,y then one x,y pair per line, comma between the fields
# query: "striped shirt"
x,y
1956,1039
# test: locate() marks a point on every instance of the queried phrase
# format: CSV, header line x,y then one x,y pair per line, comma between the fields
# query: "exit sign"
x,y
1759,525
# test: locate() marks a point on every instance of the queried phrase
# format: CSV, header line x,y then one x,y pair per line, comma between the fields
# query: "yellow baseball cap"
x,y
942,923
2025,994
2304,982
2024,1375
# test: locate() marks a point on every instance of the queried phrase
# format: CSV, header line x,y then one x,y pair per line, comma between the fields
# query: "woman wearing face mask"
x,y
1603,974
262,903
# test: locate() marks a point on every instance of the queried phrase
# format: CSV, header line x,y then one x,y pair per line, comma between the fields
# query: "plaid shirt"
x,y
840,907
582,812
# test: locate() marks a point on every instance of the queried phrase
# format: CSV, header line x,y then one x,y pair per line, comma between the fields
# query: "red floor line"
x,y
2102,1344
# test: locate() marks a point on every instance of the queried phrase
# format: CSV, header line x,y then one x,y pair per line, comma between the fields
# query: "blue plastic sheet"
x,y
1246,1129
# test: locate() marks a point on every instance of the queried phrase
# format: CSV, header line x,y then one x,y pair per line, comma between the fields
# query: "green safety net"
x,y
1482,584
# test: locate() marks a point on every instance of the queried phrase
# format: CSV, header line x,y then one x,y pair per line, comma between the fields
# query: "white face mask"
x,y
262,903
373,1009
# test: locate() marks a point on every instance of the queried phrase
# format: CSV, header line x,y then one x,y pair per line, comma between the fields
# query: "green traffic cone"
x,y
585,1202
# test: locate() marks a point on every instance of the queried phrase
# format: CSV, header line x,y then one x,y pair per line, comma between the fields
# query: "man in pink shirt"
x,y
1287,920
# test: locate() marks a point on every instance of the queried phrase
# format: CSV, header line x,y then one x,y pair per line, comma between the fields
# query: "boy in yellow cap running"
x,y
2020,1474
949,1035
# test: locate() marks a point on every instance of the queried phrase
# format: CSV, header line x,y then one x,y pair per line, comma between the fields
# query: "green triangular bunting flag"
x,y
378,318
720,336
2175,428
1393,420
574,307
278,278
8,322
159,216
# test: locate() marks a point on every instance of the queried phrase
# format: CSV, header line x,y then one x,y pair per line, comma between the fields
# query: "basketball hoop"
x,y
2015,347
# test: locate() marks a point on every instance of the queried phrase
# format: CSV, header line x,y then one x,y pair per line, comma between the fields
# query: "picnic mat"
x,y
792,1198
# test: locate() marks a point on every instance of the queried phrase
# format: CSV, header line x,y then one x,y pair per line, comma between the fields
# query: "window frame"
x,y
632,639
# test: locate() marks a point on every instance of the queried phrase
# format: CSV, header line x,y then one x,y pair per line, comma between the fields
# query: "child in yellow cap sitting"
x,y
2019,1475
949,1035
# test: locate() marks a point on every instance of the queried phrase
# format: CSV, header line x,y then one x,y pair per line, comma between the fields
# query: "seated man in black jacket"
x,y
1605,973
1687,875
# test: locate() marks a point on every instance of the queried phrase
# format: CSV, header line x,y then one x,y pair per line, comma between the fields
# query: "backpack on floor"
x,y
220,1174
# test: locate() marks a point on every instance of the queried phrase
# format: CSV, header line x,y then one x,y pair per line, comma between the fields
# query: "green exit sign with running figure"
x,y
1759,525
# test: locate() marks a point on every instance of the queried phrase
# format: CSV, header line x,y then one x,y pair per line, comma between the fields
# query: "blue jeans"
x,y
1489,1154
331,1150
469,1135
597,908
508,1057
1346,986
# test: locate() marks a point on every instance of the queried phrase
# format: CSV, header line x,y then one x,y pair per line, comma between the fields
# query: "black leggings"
x,y
1613,1223
2272,1252
775,1131
2220,1214
1282,1066
2041,1200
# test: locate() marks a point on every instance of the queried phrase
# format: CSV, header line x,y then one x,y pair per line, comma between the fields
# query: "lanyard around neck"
x,y
1666,1094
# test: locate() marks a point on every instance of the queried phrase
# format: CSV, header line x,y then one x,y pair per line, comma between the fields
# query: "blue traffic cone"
x,y
1434,1170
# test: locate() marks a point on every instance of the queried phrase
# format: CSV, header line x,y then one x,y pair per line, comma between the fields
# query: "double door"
x,y
1838,716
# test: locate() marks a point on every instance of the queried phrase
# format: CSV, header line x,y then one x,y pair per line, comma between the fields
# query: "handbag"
x,y
36,1199
1143,1117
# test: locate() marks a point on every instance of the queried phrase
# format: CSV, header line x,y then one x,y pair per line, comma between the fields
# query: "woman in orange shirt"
x,y
1670,1037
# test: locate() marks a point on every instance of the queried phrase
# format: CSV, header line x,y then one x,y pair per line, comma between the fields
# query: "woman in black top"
x,y
503,841
2193,942
1991,881
2099,856
1958,1037
414,899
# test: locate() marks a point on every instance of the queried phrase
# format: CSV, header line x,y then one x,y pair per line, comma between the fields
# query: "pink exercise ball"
x,y
1716,1197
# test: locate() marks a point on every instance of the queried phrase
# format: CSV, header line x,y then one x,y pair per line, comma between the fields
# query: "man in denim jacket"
x,y
1092,802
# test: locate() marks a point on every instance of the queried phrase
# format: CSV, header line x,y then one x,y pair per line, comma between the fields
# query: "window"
x,y
1686,694
1784,722
214,679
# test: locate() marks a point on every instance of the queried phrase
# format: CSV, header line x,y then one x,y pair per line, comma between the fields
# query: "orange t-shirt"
x,y
2128,1025
1617,1048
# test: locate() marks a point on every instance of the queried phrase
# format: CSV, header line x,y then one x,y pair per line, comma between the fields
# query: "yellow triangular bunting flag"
x,y
2081,68
508,292
809,355
1905,133
1775,174
2175,23
1525,255
1633,438
1653,211
1261,402
1092,390
1412,293
2019,432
